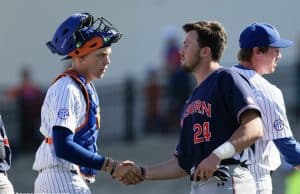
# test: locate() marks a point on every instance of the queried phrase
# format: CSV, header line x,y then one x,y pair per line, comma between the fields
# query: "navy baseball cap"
x,y
261,34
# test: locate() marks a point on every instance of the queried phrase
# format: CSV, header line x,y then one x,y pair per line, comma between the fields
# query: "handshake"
x,y
126,171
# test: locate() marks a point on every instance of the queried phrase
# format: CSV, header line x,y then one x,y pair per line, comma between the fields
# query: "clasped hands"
x,y
127,171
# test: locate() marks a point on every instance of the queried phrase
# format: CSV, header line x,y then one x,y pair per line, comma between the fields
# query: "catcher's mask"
x,y
81,34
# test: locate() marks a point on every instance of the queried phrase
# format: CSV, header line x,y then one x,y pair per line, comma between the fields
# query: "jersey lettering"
x,y
201,133
196,107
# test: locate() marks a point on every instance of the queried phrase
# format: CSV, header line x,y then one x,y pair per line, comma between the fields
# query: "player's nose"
x,y
180,51
106,61
279,55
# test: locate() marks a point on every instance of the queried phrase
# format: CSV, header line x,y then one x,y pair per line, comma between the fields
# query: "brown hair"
x,y
211,34
245,54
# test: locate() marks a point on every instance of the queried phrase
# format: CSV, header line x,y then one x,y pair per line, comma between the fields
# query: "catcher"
x,y
67,159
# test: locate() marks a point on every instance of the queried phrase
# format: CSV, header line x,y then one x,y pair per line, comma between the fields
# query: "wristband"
x,y
107,164
113,168
224,151
143,171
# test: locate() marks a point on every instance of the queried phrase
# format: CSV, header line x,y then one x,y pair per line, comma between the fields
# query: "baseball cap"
x,y
262,34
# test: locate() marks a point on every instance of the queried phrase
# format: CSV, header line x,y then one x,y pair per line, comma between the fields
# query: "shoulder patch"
x,y
63,113
278,125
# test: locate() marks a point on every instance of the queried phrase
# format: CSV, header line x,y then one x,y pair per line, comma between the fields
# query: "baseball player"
x,y
259,54
219,120
5,155
67,159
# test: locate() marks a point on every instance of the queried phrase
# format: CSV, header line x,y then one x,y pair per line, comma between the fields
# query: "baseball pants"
x,y
60,180
240,182
5,185
263,179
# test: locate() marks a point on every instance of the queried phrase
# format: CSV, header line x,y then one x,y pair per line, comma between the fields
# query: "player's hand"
x,y
206,168
222,173
128,172
297,167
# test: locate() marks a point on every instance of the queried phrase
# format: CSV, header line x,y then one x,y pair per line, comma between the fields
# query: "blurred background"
x,y
143,90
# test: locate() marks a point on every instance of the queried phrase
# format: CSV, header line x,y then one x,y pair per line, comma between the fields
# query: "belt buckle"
x,y
88,180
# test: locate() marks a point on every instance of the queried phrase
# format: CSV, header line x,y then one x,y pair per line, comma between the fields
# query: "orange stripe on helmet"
x,y
88,47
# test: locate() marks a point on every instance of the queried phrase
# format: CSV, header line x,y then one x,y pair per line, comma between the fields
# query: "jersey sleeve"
x,y
68,106
182,159
237,94
274,114
289,149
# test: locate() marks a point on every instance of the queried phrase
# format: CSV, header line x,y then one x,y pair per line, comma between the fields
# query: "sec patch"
x,y
63,113
278,125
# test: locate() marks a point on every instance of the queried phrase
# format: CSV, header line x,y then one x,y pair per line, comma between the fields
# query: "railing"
x,y
123,108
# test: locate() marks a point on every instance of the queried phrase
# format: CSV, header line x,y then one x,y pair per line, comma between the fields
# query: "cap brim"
x,y
282,44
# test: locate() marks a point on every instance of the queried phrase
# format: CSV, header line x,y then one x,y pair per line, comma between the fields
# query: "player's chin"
x,y
186,68
100,74
273,70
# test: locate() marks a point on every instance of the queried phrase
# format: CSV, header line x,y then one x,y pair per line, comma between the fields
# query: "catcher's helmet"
x,y
80,34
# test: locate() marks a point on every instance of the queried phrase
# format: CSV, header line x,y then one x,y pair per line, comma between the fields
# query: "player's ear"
x,y
79,59
257,51
205,51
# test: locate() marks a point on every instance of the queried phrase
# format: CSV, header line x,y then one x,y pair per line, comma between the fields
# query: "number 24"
x,y
201,133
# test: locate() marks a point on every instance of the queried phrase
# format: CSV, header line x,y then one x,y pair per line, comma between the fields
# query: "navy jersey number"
x,y
201,133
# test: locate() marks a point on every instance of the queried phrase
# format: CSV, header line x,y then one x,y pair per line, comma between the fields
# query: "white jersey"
x,y
65,106
265,156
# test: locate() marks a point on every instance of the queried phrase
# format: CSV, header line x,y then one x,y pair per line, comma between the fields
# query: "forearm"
x,y
166,170
67,149
249,131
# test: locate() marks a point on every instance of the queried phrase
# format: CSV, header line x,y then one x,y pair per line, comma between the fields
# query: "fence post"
x,y
129,134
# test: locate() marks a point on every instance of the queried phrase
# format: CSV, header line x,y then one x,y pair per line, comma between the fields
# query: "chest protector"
x,y
86,135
